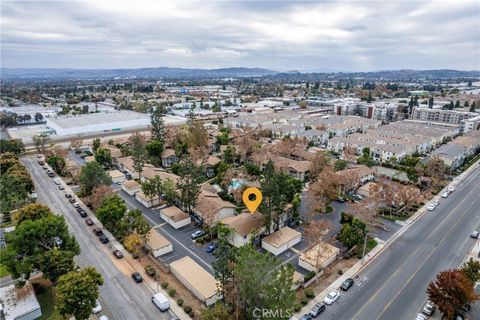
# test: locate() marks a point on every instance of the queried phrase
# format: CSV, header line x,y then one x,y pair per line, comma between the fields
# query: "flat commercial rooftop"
x,y
98,118
195,276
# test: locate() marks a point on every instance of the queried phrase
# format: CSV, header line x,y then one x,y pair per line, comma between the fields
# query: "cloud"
x,y
280,35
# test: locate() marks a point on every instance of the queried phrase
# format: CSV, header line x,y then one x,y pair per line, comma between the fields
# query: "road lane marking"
x,y
424,261
408,258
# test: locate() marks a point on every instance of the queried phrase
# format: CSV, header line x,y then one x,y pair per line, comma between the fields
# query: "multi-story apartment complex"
x,y
440,115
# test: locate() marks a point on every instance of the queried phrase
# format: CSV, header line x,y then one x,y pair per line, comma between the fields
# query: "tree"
x,y
219,311
353,233
158,125
268,287
132,222
38,117
99,194
430,102
154,151
57,163
189,185
77,293
315,232
197,135
340,165
153,188
33,211
138,154
91,176
471,269
472,107
95,144
225,257
170,191
111,211
30,243
326,187
457,104
366,158
40,142
15,146
229,155
103,156
450,291
55,263
133,243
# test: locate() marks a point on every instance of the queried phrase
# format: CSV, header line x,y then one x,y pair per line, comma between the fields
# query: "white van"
x,y
161,302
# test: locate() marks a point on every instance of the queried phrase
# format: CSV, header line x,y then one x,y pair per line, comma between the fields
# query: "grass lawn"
x,y
3,271
45,298
371,244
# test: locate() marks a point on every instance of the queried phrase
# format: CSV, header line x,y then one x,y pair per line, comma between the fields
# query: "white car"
x,y
445,194
331,297
97,308
104,317
451,188
428,308
432,206
421,317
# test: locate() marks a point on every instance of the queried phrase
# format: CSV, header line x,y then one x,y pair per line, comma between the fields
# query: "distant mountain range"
x,y
141,73
235,72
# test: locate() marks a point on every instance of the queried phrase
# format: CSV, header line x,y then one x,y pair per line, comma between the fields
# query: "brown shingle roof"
x,y
245,223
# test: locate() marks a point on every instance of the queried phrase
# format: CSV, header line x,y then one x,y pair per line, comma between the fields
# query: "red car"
x,y
89,222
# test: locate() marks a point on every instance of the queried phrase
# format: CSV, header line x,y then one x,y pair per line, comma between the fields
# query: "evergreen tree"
x,y
472,107
138,155
158,125
189,185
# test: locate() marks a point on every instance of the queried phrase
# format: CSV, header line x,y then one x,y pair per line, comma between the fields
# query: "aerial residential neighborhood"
x,y
206,191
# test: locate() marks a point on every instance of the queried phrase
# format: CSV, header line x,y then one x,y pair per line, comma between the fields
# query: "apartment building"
x,y
440,115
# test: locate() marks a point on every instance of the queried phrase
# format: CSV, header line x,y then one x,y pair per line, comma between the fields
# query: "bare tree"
x,y
315,232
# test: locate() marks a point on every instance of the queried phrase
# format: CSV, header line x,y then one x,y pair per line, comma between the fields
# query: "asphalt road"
x,y
393,285
120,297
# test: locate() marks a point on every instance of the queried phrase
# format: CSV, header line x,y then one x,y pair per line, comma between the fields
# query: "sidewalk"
x,y
381,245
131,263
350,273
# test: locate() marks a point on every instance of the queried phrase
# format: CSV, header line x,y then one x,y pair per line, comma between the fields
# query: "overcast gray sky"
x,y
279,35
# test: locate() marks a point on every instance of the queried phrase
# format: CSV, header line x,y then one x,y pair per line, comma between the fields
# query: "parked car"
x,y
211,247
428,308
118,254
451,189
44,168
475,234
76,204
331,297
347,284
306,317
104,317
89,222
150,270
445,194
421,317
97,231
103,239
51,174
197,234
137,277
317,309
97,308
432,206
60,187
68,196
161,302
83,214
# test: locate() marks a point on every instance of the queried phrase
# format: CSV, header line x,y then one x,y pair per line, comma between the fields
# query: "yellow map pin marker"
x,y
252,197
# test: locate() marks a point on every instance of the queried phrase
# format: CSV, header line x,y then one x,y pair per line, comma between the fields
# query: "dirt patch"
x,y
181,291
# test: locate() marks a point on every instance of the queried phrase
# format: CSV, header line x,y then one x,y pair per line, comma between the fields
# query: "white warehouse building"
x,y
104,122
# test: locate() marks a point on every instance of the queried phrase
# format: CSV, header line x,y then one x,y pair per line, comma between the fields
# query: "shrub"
x,y
304,301
297,307
328,209
164,285
340,271
187,309
172,292
309,275
191,314
309,293
180,302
